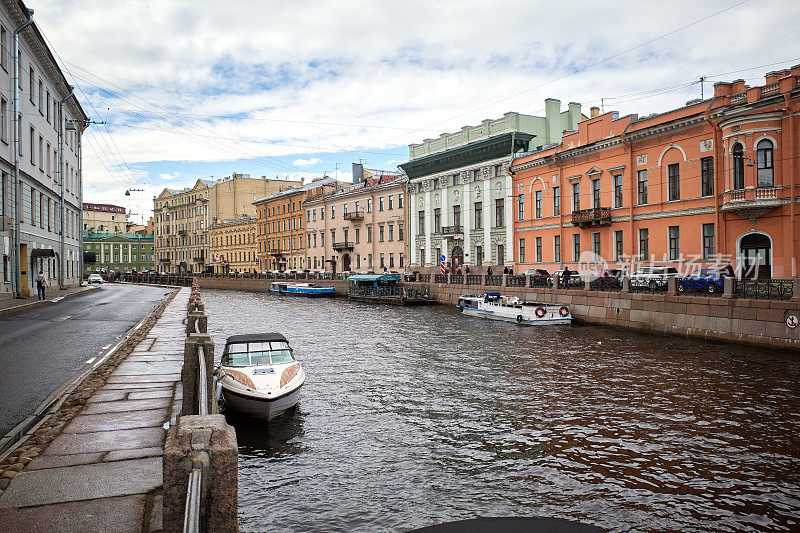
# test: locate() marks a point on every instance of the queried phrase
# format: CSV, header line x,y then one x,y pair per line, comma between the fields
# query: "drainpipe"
x,y
634,189
15,261
61,180
79,224
719,170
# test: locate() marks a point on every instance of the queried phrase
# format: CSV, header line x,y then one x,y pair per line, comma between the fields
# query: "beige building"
x,y
361,227
104,218
182,217
233,245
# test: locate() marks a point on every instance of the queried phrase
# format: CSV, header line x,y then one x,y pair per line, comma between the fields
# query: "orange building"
x,y
714,182
280,225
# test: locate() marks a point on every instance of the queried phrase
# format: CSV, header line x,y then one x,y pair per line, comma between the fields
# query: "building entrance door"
x,y
346,263
756,254
457,257
24,285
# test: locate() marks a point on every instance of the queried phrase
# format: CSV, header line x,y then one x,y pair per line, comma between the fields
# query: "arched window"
x,y
764,159
738,166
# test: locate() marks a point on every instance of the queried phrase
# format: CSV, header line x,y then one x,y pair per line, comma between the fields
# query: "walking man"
x,y
41,283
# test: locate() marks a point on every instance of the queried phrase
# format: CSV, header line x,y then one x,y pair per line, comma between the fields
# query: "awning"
x,y
43,252
374,277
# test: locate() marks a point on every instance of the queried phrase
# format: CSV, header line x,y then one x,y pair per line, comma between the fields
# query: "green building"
x,y
119,251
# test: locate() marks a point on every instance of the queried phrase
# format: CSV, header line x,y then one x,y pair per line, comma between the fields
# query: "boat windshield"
x,y
257,353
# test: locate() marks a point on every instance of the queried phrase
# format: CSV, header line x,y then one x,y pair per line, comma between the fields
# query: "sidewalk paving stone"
x,y
127,405
100,441
110,515
118,420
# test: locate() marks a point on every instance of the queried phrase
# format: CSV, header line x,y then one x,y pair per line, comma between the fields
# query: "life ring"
x,y
563,311
540,312
519,319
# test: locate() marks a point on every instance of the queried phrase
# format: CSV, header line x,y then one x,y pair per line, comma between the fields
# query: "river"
x,y
415,416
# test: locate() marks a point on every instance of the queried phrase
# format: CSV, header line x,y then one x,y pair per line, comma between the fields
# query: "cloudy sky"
x,y
293,89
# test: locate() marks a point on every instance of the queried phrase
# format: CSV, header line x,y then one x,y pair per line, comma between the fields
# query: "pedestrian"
x,y
625,271
466,269
505,270
565,277
41,283
489,271
458,271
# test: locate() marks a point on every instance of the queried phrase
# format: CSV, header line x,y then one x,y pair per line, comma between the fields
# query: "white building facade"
x,y
45,234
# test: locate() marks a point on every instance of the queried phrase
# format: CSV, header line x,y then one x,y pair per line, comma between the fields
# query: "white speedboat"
x,y
258,375
495,306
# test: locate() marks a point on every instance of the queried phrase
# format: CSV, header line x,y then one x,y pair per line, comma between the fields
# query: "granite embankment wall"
x,y
743,320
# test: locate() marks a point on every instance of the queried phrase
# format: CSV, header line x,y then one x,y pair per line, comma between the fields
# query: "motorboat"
x,y
302,289
258,375
495,306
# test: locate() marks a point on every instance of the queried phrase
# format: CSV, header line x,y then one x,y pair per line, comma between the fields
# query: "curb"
x,y
30,305
19,434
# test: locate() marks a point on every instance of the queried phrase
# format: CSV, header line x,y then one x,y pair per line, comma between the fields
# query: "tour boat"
x,y
303,289
495,306
258,375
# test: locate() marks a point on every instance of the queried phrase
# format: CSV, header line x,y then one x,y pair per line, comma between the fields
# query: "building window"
x,y
556,201
522,250
391,232
478,215
738,166
33,146
380,207
333,212
390,198
576,197
538,204
576,246
644,244
478,255
707,176
457,216
400,206
618,245
391,256
641,187
399,232
674,181
674,243
369,205
501,254
557,248
708,241
3,118
499,214
596,243
358,235
595,193
521,207
618,190
538,249
420,222
764,161
402,258
369,233
422,257
437,220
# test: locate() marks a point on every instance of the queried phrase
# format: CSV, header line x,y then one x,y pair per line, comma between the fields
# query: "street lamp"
x,y
128,192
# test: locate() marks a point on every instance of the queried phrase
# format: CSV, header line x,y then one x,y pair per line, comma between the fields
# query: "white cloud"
x,y
167,176
306,162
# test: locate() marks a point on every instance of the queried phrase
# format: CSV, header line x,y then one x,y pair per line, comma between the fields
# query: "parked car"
x,y
95,278
559,274
536,272
704,279
410,275
653,277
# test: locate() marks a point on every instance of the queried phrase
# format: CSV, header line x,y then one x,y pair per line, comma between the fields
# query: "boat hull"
x,y
258,406
525,321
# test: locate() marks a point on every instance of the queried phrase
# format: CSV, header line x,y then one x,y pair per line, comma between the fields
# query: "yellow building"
x,y
233,245
183,217
104,218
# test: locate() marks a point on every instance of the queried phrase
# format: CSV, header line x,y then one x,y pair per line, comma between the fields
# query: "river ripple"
x,y
415,416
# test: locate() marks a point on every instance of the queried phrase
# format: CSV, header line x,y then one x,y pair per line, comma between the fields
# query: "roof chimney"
x,y
594,111
358,172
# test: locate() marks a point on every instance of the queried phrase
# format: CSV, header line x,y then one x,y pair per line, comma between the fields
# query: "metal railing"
x,y
494,280
540,281
606,284
773,289
474,279
457,279
440,278
515,281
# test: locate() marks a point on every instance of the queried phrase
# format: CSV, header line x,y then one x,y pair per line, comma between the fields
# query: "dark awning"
x,y
43,252
89,257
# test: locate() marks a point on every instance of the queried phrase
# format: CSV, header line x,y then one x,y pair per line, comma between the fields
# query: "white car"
x,y
653,277
95,278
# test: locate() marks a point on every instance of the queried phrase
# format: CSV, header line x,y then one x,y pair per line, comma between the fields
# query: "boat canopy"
x,y
374,277
256,337
492,293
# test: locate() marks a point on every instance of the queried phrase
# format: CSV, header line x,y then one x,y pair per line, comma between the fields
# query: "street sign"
x,y
442,258
792,321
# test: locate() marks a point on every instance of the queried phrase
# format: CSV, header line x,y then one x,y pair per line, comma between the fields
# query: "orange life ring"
x,y
563,311
540,312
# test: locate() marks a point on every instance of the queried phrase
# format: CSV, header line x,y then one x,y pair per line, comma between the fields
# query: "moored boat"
x,y
495,306
258,375
302,289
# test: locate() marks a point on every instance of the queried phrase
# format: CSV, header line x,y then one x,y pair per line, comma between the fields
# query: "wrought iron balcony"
x,y
346,245
754,203
452,230
164,259
199,259
354,215
597,216
275,252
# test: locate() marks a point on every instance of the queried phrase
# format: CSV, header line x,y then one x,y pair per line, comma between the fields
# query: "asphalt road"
x,y
42,347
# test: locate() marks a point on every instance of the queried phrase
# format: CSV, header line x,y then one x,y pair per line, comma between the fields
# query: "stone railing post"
x,y
505,280
196,322
190,369
448,277
672,286
209,442
727,287
556,282
795,289
626,284
527,281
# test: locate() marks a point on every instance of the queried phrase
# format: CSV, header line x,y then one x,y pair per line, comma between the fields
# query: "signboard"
x,y
215,258
792,321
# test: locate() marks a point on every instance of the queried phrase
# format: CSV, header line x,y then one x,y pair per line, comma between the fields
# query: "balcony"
x,y
164,260
354,215
183,232
199,259
753,203
275,252
587,218
452,230
346,245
